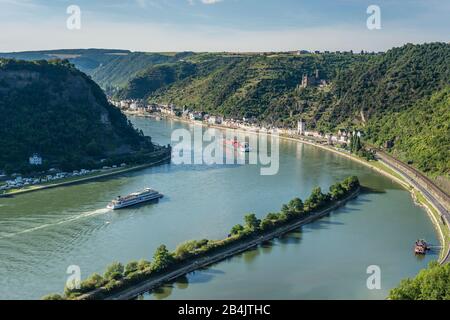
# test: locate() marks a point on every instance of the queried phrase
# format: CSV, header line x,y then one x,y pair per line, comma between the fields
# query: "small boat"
x,y
132,199
421,247
243,147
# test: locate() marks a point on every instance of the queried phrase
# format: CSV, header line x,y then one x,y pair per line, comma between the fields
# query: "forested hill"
x,y
110,68
156,77
86,60
399,96
51,108
265,86
122,68
383,94
420,133
392,82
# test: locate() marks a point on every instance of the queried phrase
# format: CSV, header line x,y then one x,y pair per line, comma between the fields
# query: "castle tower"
x,y
304,81
301,127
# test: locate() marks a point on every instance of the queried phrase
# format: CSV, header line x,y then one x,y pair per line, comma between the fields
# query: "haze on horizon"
x,y
221,25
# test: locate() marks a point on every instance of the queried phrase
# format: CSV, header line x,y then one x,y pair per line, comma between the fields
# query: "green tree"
x,y
296,205
273,216
162,259
189,248
430,284
237,230
251,222
286,211
337,191
267,224
93,148
350,183
144,265
316,199
355,144
91,283
53,296
114,271
131,267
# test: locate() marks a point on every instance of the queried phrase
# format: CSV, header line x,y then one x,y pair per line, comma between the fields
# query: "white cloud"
x,y
20,3
192,2
211,1
158,37
146,3
141,3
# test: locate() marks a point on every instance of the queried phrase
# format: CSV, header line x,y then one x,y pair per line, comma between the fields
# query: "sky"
x,y
221,25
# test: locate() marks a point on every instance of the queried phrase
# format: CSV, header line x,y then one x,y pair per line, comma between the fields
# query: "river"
x,y
43,233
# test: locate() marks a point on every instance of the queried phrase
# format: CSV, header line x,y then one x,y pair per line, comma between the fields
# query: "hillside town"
x,y
139,107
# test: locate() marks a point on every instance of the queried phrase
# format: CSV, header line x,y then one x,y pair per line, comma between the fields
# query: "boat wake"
x,y
44,226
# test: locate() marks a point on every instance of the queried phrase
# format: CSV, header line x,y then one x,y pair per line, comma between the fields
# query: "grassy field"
x,y
381,166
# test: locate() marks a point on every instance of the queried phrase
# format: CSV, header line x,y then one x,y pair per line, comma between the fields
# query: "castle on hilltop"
x,y
313,80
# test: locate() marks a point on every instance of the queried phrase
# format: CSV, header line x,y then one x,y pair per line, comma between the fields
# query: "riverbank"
x,y
204,262
72,181
433,206
211,252
420,196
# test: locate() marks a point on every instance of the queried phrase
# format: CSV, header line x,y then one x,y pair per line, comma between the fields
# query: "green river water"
x,y
43,233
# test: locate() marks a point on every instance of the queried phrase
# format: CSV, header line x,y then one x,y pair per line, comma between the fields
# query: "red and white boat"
x,y
235,144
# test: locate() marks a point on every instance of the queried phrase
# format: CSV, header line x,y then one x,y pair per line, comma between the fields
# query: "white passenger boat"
x,y
134,198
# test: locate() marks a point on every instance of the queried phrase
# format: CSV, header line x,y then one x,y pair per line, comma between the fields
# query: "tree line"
x,y
430,284
118,276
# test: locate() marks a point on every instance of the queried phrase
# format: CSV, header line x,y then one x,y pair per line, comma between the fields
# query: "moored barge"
x,y
421,247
